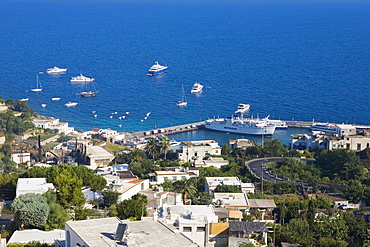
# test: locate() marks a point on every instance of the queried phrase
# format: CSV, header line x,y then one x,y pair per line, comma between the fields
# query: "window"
x,y
358,146
174,178
165,179
216,152
201,229
68,239
186,229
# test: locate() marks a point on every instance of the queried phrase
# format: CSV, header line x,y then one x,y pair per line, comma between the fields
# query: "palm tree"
x,y
186,188
165,144
152,148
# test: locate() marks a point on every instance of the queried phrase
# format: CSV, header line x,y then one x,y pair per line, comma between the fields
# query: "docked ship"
x,y
242,108
197,88
324,127
242,126
279,124
82,78
56,70
157,69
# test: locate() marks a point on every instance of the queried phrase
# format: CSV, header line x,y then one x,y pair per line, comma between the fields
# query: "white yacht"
x,y
182,102
197,88
56,70
43,105
24,99
324,127
69,104
55,99
242,108
242,126
174,143
157,69
82,78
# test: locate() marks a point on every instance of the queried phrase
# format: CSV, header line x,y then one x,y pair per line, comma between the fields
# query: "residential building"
x,y
355,143
342,130
197,150
247,232
173,174
52,123
216,162
97,157
240,143
238,201
35,235
114,232
33,185
265,206
192,221
212,182
21,158
157,198
305,141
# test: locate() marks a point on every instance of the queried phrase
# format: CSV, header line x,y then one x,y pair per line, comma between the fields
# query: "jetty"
x,y
200,125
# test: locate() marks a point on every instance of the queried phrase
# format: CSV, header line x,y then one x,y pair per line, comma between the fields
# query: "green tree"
x,y
69,192
57,217
131,209
228,188
110,197
165,144
31,211
186,188
225,149
152,148
201,198
331,227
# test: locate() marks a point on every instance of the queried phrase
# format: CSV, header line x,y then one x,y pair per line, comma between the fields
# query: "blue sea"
x,y
301,60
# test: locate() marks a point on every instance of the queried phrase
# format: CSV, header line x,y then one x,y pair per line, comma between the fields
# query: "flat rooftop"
x,y
30,235
33,185
148,233
231,199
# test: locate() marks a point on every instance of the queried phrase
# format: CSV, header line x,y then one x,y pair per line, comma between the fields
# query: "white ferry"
x,y
157,69
82,78
278,123
197,88
242,126
56,70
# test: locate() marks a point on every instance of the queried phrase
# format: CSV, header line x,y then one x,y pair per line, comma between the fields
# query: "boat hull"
x,y
247,128
151,73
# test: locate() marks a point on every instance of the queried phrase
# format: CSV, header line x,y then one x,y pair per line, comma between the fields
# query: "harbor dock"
x,y
200,125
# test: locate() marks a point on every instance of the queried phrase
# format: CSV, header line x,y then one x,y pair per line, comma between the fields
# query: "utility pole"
x,y
262,178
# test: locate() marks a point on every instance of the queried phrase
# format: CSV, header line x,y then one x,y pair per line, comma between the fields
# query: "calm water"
x,y
298,61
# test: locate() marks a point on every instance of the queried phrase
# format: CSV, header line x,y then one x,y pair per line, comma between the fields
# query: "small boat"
x,y
38,85
82,78
43,105
197,88
127,112
242,108
174,143
56,70
55,99
111,117
24,99
148,114
157,69
182,102
95,115
69,104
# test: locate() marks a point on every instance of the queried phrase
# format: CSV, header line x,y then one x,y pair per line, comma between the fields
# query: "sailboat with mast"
x,y
183,101
38,85
91,92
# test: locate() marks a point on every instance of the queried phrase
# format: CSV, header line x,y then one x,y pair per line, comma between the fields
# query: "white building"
x,y
212,182
193,221
33,185
21,158
98,157
173,174
157,198
105,231
238,201
52,123
216,162
197,150
345,130
35,235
